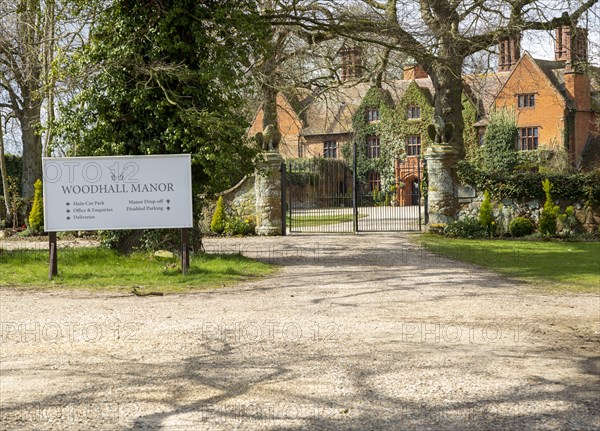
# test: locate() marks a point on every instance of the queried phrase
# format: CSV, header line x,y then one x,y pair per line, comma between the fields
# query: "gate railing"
x,y
327,196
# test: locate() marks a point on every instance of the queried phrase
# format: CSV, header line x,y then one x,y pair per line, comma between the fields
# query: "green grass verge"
x,y
320,220
567,266
103,269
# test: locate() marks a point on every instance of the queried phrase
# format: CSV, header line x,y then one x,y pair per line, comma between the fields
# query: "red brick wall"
x,y
289,126
313,145
549,111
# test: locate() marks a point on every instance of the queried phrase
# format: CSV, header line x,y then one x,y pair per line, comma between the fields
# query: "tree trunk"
x,y
49,75
447,80
32,149
4,173
269,96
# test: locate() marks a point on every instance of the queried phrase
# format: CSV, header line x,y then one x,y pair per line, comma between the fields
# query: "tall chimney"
x,y
351,67
509,53
571,45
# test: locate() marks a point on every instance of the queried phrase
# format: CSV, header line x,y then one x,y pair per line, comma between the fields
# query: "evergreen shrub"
x,y
219,219
520,226
36,215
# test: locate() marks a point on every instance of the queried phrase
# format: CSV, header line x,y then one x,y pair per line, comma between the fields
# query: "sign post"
x,y
119,192
53,269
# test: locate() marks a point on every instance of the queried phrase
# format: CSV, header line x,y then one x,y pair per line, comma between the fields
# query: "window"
x,y
372,115
374,181
330,150
413,112
527,138
526,100
300,149
373,147
413,145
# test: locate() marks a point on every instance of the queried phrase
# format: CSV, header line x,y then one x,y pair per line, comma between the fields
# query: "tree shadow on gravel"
x,y
227,387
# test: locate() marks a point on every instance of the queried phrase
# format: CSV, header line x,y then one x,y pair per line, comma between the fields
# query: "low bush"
x,y
239,226
467,227
520,226
568,220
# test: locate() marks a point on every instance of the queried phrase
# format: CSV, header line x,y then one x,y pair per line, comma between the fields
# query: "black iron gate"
x,y
326,196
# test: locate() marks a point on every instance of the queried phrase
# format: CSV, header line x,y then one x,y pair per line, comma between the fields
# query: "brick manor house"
x,y
557,103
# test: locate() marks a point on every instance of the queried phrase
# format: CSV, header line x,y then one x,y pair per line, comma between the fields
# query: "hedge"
x,y
579,187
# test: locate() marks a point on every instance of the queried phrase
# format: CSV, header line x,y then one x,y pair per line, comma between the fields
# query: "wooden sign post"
x,y
185,250
53,262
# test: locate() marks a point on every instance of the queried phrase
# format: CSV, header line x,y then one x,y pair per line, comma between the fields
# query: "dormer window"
x,y
413,112
372,115
526,100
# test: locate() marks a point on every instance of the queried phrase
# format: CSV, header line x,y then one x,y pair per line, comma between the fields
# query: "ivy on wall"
x,y
393,128
376,98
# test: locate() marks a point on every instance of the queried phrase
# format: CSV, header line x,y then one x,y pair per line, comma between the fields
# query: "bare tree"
x,y
438,34
301,62
33,32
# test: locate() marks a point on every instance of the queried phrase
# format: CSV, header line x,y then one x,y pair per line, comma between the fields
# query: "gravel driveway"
x,y
364,332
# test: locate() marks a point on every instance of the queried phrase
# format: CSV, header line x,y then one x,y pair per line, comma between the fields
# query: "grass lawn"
x,y
320,220
569,266
103,269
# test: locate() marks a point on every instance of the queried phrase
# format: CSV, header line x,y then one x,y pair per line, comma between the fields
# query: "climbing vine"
x,y
393,127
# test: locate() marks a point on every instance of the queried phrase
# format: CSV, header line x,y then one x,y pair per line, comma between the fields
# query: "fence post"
x,y
283,199
420,179
354,190
426,194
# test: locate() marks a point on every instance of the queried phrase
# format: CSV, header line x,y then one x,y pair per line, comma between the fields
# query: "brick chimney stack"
x,y
571,45
509,53
352,67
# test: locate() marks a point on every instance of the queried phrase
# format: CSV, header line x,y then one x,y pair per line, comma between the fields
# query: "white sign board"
x,y
121,192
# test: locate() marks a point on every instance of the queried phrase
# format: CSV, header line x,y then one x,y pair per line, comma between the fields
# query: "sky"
x,y
539,44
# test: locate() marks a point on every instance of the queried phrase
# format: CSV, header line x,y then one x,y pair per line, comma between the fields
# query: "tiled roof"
x,y
484,88
331,113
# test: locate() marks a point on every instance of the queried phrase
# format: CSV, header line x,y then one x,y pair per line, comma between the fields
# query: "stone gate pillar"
x,y
267,187
441,174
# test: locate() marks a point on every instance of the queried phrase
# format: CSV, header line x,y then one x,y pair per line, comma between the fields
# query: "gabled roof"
x,y
332,112
547,69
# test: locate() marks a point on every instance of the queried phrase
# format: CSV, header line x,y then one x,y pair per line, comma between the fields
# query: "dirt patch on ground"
x,y
366,332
